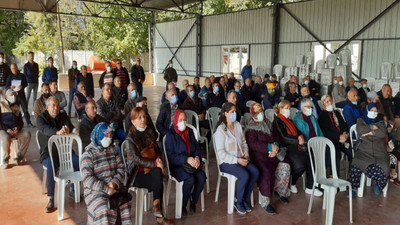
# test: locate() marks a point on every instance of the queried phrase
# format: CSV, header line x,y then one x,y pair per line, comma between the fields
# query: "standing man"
x,y
12,80
50,72
170,74
72,72
31,72
86,78
122,73
138,76
247,71
4,72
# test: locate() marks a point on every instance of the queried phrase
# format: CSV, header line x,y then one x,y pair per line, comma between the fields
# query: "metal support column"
x,y
151,41
198,45
275,35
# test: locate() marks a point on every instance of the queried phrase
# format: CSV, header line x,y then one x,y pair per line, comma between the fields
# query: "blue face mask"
x,y
174,99
216,89
74,67
354,103
192,94
237,90
232,117
133,94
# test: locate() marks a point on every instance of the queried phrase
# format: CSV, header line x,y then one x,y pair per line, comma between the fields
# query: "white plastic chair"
x,y
212,116
317,149
250,103
178,188
44,179
270,115
190,115
231,184
142,203
293,112
66,173
245,119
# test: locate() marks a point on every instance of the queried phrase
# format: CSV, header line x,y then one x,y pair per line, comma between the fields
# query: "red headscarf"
x,y
183,134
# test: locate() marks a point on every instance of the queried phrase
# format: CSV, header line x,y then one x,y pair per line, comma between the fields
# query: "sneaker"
x,y
50,206
5,164
240,208
192,208
18,159
157,211
270,210
283,199
377,190
293,188
246,206
317,193
30,125
184,211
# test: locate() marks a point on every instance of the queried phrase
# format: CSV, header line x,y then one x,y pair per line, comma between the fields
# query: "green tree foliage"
x,y
12,26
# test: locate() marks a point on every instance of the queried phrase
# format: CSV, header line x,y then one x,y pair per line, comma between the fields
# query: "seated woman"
x,y
371,158
296,146
305,121
102,173
233,156
268,157
182,148
142,138
335,129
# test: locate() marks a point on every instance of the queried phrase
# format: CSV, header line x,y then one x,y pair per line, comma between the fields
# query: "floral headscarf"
x,y
99,132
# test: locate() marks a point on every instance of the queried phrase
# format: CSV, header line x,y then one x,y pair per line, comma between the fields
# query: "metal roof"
x,y
30,5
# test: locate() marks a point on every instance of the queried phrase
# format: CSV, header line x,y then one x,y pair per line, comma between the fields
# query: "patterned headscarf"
x,y
99,132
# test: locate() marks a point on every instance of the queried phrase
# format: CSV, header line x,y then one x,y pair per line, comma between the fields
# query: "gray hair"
x,y
131,86
169,92
187,88
230,93
305,102
323,98
87,104
50,99
81,82
184,81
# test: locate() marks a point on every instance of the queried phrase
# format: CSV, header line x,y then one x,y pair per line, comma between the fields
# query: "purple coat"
x,y
258,142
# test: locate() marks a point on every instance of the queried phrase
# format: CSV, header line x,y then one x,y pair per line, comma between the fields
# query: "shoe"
x,y
246,206
283,199
30,125
270,210
33,113
377,190
192,207
18,159
184,211
166,221
157,211
240,208
5,164
50,206
293,188
317,193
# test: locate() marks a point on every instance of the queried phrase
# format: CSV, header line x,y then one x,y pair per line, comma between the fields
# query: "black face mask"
x,y
47,95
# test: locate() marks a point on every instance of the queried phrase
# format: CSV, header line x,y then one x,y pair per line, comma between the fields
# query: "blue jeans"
x,y
247,178
71,97
50,179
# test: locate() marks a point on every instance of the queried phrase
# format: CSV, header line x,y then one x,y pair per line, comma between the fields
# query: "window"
x,y
355,48
234,58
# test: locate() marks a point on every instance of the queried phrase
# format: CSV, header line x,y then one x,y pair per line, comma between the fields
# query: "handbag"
x,y
281,154
120,197
190,169
149,153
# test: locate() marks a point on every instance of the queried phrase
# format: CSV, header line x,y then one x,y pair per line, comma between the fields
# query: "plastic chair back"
x,y
64,145
166,159
353,134
270,115
216,153
246,119
317,148
213,117
37,139
293,112
190,114
250,103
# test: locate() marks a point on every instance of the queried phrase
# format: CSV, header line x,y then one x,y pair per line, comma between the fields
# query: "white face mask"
x,y
260,117
335,81
329,108
372,115
11,99
1,60
170,65
364,86
306,82
340,82
141,129
182,126
286,113
108,69
106,141
308,112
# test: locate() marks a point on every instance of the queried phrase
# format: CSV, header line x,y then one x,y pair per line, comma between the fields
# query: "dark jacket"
x,y
110,111
287,91
49,74
71,77
315,89
231,83
197,89
287,140
351,113
292,99
31,72
4,73
137,72
123,74
170,75
177,152
182,95
388,108
363,95
88,80
269,101
257,91
245,91
10,116
103,76
120,95
217,100
196,105
163,122
329,129
86,127
48,127
19,76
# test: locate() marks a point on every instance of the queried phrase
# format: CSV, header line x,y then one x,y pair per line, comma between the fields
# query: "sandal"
x,y
157,211
166,221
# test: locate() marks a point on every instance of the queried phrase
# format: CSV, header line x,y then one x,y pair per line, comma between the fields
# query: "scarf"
x,y
98,133
183,134
290,128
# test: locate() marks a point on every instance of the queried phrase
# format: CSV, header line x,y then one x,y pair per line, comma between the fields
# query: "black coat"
x,y
329,129
163,122
86,127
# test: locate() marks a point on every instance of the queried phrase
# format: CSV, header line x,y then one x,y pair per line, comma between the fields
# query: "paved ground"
x,y
21,201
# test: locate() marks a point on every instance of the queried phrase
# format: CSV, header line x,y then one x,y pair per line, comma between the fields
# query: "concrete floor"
x,y
21,201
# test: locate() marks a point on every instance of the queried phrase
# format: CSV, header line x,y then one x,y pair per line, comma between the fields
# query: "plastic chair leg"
x,y
384,191
77,186
369,182
61,199
350,204
304,181
139,206
311,200
167,194
217,189
208,176
231,194
360,190
178,200
202,201
325,199
252,199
